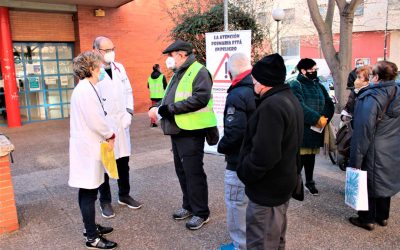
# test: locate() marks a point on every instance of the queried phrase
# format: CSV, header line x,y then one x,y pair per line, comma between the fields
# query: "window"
x,y
290,46
44,79
289,16
360,9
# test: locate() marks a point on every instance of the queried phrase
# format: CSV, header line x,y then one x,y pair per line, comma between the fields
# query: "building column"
x,y
8,70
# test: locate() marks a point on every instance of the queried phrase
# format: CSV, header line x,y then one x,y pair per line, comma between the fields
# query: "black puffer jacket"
x,y
269,156
375,147
239,106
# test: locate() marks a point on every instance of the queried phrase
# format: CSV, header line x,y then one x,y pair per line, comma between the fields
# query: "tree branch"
x,y
341,5
353,5
316,16
329,13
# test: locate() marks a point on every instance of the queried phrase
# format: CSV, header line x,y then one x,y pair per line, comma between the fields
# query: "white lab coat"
x,y
88,127
117,97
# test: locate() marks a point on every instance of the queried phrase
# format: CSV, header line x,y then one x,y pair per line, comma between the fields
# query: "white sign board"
x,y
219,47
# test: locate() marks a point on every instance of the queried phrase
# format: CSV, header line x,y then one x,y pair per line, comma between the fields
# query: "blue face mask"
x,y
102,74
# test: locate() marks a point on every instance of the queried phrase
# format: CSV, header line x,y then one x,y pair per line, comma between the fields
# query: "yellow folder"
x,y
108,160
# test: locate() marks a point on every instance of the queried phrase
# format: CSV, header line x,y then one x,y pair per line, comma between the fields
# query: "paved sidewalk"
x,y
50,219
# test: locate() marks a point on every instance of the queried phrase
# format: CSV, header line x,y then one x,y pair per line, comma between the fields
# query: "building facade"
x,y
298,37
44,36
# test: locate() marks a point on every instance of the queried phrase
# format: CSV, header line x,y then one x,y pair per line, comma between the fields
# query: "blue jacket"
x,y
375,147
315,102
240,104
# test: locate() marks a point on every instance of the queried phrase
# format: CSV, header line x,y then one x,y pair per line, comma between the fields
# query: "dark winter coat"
x,y
269,155
201,94
239,106
315,102
375,147
351,79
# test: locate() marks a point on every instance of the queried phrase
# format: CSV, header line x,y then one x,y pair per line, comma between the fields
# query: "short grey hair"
x,y
238,63
97,41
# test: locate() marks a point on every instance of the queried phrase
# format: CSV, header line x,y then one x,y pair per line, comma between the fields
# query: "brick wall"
x,y
139,31
8,211
41,26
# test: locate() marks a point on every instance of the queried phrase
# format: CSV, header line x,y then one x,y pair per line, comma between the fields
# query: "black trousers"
x,y
188,158
123,181
308,162
378,210
86,199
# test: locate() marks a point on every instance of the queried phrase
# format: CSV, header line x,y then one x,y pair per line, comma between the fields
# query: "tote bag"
x,y
108,160
356,193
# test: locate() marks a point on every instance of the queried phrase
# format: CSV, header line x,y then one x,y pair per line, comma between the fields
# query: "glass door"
x,y
45,80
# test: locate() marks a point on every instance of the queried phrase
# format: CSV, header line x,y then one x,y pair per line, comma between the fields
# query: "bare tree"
x,y
339,62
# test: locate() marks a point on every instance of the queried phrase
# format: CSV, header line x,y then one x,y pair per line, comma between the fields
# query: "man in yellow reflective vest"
x,y
186,115
156,85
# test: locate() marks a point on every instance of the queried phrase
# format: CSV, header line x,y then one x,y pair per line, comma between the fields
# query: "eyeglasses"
x,y
108,50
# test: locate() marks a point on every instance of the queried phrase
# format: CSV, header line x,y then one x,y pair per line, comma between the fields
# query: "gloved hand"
x,y
322,122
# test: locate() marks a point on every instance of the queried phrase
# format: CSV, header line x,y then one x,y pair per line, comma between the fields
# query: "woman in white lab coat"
x,y
88,127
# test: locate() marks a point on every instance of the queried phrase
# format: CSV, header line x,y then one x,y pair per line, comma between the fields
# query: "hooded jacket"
x,y
375,146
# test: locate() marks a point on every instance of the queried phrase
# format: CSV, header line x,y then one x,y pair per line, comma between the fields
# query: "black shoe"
x,y
154,125
100,243
382,223
311,188
100,230
106,210
356,222
130,202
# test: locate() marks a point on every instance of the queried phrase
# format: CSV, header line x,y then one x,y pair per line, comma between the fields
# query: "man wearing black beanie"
x,y
269,158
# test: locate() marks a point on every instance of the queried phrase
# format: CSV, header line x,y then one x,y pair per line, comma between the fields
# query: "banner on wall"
x,y
219,47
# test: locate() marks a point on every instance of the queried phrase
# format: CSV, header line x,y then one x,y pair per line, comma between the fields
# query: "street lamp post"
x,y
278,14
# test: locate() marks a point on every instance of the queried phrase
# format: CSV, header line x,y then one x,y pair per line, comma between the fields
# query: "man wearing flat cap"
x,y
186,113
269,158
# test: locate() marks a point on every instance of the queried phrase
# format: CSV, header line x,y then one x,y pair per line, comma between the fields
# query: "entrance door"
x,y
45,80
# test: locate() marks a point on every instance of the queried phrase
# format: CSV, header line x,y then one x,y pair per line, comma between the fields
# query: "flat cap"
x,y
179,45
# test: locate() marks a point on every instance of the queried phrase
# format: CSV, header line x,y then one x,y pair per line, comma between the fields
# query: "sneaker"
x,y
100,230
229,246
154,125
181,214
100,243
311,188
130,202
196,222
106,210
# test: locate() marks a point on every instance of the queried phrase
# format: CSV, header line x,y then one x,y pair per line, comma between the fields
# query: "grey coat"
x,y
201,94
375,146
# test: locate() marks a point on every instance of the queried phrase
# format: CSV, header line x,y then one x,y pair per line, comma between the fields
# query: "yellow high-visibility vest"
x,y
202,118
156,87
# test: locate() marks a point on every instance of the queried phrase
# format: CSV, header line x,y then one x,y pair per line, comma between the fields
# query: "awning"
x,y
96,3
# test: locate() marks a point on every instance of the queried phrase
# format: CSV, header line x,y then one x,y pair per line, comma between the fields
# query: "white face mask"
x,y
170,62
109,57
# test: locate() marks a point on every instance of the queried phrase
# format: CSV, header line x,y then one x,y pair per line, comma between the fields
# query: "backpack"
x,y
343,139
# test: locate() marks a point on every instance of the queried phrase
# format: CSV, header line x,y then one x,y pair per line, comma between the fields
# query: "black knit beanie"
x,y
270,70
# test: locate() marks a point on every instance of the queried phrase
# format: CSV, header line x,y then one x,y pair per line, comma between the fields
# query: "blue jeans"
x,y
236,204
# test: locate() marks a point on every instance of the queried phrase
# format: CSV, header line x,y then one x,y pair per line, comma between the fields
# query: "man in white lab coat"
x,y
116,95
